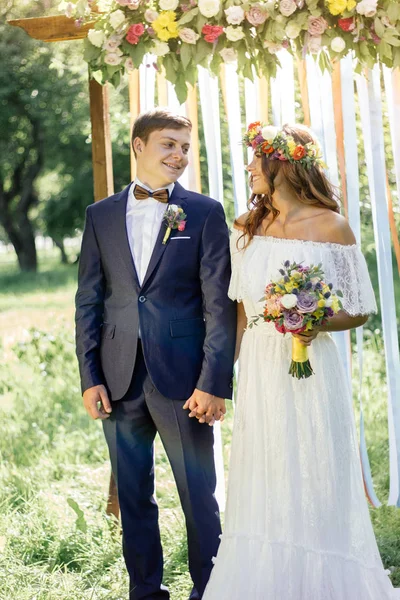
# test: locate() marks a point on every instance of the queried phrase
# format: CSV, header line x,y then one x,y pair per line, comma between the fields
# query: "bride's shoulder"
x,y
240,222
335,229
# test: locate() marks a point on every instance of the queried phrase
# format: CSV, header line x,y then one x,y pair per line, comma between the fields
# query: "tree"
x,y
44,123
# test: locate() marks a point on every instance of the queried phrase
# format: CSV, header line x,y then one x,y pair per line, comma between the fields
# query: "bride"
x,y
297,525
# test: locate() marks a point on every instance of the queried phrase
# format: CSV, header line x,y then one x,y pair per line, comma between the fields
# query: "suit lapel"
x,y
178,197
120,233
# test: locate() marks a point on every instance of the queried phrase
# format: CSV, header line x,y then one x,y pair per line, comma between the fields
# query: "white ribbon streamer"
x,y
323,125
147,74
353,205
282,91
209,99
235,139
371,117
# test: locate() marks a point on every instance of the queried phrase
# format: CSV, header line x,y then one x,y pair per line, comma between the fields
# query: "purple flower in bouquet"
x,y
292,321
306,303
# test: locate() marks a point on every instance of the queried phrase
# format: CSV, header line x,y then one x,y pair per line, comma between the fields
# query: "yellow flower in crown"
x,y
291,145
351,4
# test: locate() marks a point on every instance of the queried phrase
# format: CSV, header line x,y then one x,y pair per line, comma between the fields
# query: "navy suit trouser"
x,y
130,433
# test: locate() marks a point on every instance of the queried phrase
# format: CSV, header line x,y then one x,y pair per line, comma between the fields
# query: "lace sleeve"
x,y
236,291
349,274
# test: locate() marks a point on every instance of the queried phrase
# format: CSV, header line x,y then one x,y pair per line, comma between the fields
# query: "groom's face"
x,y
163,158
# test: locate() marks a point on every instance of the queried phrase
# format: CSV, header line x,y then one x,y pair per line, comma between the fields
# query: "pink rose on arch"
x,y
256,15
317,25
212,32
132,39
134,33
137,29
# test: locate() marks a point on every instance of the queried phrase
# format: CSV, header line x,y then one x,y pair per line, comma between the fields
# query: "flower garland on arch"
x,y
183,35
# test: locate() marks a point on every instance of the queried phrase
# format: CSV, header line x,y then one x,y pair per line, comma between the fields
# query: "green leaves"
x,y
80,520
188,17
393,12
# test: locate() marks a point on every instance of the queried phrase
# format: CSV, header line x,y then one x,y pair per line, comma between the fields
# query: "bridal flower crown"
x,y
277,145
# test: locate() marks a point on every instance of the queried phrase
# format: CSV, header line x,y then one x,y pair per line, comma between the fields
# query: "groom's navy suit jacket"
x,y
186,320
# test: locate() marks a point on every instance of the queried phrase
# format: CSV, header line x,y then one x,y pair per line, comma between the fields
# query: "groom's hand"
x,y
205,407
96,402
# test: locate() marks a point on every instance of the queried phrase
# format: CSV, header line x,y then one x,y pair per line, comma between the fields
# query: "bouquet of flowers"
x,y
298,301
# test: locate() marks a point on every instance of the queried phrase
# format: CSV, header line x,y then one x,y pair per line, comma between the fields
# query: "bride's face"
x,y
258,183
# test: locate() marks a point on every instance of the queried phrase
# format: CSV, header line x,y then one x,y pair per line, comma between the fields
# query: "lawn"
x,y
56,542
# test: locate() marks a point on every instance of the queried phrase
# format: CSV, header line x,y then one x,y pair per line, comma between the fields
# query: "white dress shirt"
x,y
143,222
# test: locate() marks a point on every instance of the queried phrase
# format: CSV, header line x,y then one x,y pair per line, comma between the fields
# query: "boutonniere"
x,y
175,219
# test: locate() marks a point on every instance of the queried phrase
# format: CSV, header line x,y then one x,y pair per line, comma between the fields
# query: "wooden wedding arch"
x,y
61,28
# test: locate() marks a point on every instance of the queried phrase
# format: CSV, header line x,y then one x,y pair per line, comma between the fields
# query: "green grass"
x,y
56,542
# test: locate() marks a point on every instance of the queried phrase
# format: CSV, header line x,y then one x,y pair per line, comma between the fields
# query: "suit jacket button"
x,y
142,298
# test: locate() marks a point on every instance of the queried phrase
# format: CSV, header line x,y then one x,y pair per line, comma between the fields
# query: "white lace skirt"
x,y
297,524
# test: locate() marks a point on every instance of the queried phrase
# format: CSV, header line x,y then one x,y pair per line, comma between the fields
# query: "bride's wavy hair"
x,y
311,186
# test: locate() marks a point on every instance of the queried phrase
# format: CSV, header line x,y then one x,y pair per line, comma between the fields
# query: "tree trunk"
x,y
60,246
15,220
21,236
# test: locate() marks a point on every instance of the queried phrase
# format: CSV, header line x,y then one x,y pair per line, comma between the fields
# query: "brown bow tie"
x,y
141,193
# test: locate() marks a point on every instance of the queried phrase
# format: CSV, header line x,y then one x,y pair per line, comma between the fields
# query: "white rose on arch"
x,y
96,37
234,15
117,18
287,7
229,55
189,36
367,8
338,44
168,4
292,30
160,48
234,34
113,58
209,8
129,66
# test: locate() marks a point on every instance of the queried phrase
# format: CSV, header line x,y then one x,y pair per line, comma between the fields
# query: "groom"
x,y
155,332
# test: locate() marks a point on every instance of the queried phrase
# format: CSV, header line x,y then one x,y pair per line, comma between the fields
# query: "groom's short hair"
x,y
156,120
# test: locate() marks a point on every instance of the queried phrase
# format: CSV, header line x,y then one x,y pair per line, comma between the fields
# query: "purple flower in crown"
x,y
306,303
257,140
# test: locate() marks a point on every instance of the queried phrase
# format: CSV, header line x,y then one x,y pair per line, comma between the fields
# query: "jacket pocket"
x,y
107,331
186,327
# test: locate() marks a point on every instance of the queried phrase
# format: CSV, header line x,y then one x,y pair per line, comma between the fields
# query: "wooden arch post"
x,y
60,28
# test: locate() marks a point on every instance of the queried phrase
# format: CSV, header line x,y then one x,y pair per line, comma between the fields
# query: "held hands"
x,y
96,402
205,407
307,336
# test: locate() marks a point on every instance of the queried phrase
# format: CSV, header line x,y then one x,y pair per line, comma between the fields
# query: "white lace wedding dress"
x,y
297,525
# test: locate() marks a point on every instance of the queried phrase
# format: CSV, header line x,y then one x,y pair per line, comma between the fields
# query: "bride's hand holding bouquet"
x,y
299,302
